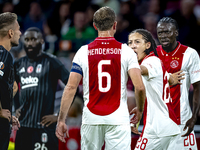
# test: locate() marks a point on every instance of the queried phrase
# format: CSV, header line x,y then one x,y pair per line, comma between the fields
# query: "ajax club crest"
x,y
174,64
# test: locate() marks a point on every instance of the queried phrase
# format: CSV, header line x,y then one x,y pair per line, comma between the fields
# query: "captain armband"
x,y
76,68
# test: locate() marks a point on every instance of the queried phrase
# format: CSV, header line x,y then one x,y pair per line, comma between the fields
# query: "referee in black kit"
x,y
37,73
9,37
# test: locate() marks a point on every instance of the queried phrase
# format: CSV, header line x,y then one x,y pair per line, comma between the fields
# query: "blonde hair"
x,y
7,19
104,18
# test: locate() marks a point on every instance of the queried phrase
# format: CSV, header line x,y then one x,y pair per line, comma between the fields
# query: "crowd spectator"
x,y
150,23
189,29
126,11
79,34
122,32
90,12
35,17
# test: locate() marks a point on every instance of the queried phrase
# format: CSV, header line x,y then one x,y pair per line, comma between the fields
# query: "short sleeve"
x,y
79,57
2,69
3,64
153,65
16,74
194,67
131,56
61,72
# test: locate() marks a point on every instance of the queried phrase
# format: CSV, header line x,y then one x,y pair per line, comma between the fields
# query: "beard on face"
x,y
168,48
35,50
13,44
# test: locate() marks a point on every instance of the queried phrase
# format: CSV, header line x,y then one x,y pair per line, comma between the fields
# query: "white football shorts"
x,y
116,137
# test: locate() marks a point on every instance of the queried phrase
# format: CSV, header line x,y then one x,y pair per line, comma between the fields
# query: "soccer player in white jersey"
x,y
160,128
104,65
175,57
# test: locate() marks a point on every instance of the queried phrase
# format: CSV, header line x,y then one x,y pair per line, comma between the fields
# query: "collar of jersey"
x,y
105,38
150,54
172,53
2,48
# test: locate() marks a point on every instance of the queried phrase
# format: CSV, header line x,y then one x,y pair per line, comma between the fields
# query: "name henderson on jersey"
x,y
104,51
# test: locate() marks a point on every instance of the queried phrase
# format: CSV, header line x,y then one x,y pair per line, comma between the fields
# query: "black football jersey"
x,y
38,82
6,82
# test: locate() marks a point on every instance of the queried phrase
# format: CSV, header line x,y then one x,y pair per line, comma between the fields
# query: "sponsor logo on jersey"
x,y
44,138
22,70
195,71
39,68
150,65
2,65
29,82
30,69
174,64
1,73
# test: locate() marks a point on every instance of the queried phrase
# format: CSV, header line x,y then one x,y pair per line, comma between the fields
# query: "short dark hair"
x,y
104,18
147,36
36,30
7,19
169,20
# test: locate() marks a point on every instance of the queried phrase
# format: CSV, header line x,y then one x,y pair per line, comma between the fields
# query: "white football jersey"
x,y
186,59
105,63
158,115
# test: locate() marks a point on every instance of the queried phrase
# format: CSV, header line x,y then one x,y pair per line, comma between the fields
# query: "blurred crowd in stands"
x,y
68,24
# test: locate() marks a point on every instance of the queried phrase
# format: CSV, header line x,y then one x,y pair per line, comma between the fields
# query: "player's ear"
x,y
94,26
42,41
176,33
115,25
10,33
148,45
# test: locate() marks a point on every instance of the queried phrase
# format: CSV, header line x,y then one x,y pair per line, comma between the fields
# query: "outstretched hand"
x,y
61,131
177,76
189,126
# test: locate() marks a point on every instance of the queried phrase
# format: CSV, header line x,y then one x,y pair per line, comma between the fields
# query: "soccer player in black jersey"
x,y
37,74
9,37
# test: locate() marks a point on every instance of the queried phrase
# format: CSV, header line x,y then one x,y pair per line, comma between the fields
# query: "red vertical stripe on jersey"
x,y
167,95
172,62
104,59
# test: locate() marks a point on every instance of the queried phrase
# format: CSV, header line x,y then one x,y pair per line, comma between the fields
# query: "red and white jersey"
x,y
158,114
105,63
187,59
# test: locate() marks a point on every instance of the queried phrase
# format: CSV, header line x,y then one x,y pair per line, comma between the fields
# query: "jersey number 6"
x,y
102,74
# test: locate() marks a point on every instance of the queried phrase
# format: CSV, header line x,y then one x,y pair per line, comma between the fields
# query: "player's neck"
x,y
105,33
175,45
6,44
36,57
171,48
